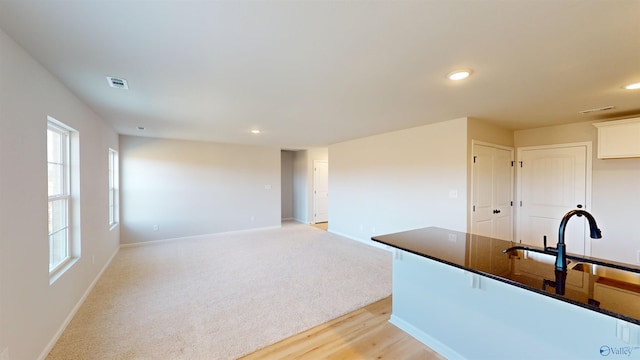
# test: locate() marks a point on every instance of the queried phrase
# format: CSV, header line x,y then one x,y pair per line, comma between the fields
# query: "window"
x,y
113,188
63,175
59,194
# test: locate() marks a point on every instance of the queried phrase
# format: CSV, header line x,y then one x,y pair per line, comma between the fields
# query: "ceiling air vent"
x,y
584,112
117,83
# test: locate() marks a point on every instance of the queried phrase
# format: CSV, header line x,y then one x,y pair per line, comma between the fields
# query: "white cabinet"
x,y
618,139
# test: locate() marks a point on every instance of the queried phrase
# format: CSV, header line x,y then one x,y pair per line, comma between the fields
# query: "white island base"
x,y
464,315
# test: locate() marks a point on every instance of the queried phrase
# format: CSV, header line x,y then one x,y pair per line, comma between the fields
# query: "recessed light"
x,y
459,74
255,131
140,128
633,86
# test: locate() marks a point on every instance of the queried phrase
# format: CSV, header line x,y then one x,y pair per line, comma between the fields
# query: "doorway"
x,y
553,180
492,191
320,191
286,183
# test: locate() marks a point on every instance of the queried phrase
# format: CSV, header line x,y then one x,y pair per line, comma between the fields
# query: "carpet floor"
x,y
223,296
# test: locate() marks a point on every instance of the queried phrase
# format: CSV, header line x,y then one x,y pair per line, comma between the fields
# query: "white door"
x,y
320,191
552,181
492,210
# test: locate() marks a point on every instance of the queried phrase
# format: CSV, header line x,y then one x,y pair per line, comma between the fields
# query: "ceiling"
x,y
313,73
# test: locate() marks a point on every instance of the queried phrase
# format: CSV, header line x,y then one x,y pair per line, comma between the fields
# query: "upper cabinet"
x,y
618,139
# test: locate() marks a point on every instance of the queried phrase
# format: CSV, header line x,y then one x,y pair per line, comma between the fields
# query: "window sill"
x,y
113,226
57,273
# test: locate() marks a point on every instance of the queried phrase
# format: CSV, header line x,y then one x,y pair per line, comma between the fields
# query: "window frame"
x,y
114,204
64,197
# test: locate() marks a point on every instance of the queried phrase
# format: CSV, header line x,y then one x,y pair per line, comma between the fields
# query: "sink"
x,y
593,264
535,254
520,251
588,268
590,265
603,271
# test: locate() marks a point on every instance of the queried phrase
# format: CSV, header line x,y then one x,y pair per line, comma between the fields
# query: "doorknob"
x,y
496,211
579,206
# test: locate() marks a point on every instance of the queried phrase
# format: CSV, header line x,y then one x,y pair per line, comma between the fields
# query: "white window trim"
x,y
71,194
114,195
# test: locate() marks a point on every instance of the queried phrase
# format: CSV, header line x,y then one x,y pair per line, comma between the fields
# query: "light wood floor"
x,y
363,334
322,226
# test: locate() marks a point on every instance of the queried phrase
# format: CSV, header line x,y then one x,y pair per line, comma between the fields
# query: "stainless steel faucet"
x,y
561,249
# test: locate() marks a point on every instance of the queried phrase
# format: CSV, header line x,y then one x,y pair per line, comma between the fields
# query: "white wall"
x,y
31,310
286,178
399,181
615,191
192,188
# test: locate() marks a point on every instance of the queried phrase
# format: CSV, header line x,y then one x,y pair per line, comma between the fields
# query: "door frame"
x,y
512,182
588,179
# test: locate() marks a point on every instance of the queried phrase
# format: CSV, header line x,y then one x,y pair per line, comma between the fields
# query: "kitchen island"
x,y
462,296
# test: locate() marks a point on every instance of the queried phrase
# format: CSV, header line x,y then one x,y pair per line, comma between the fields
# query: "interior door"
x,y
552,181
492,210
320,191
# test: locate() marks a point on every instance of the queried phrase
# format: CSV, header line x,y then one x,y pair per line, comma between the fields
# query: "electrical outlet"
x,y
453,237
638,256
156,227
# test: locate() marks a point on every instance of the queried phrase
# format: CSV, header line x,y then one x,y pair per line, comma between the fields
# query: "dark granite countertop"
x,y
605,289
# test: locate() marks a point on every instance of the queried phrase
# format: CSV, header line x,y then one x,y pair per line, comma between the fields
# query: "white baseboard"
x,y
425,338
144,243
367,242
75,309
